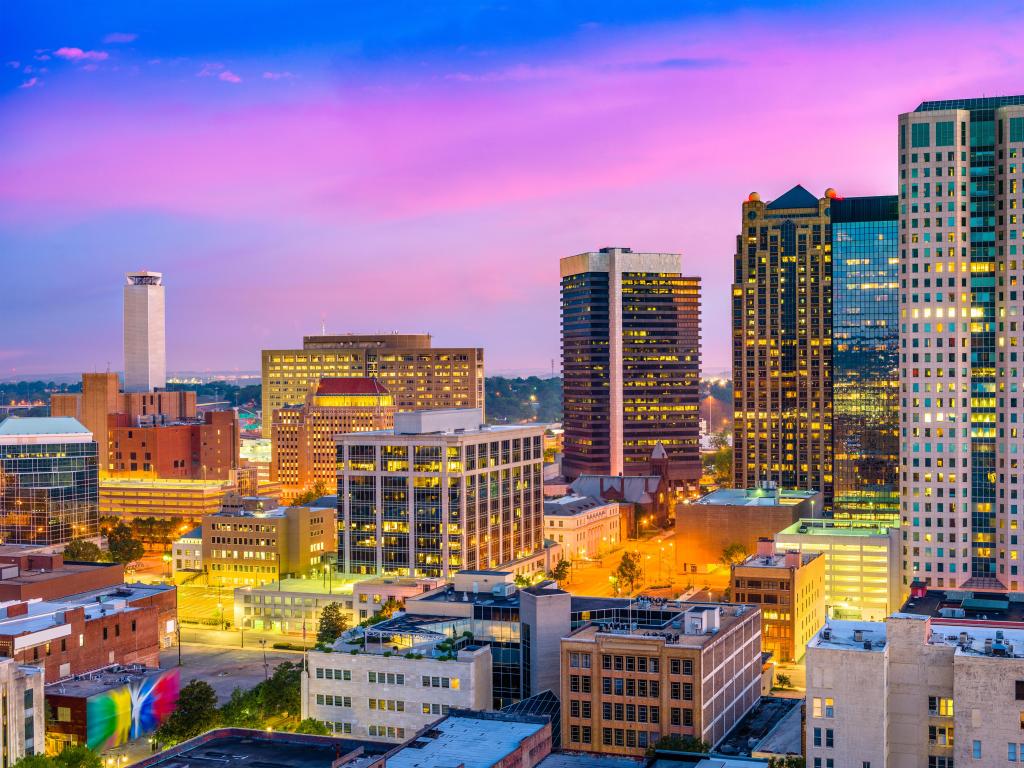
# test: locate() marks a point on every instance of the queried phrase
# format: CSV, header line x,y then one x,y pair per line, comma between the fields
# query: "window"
x,y
675,666
687,666
1011,752
941,735
817,737
829,738
1017,129
976,749
1020,690
944,134
920,135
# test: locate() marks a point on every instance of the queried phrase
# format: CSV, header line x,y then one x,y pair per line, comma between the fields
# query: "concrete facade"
x,y
585,527
22,711
145,351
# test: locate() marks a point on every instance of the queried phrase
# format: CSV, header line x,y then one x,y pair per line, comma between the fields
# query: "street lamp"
x,y
167,559
220,607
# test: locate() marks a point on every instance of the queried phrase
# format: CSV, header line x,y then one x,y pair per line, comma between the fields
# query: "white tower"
x,y
145,354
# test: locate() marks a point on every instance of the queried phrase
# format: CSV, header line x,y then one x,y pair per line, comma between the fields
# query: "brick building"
x,y
203,448
31,575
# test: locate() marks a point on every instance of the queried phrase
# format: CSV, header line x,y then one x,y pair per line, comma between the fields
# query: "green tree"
x,y
783,681
78,756
682,744
628,571
734,553
243,710
315,727
123,546
36,761
333,622
314,492
561,571
522,581
388,608
83,551
722,462
281,695
789,761
196,713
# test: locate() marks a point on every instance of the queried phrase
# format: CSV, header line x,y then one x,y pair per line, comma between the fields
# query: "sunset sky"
x,y
423,166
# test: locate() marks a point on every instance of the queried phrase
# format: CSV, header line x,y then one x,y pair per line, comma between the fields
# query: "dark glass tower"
x,y
631,364
865,360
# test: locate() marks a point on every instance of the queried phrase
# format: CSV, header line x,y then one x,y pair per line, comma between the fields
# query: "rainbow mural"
x,y
135,709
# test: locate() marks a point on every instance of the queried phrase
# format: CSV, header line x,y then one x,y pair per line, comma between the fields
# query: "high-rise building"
x,y
865,359
416,374
441,492
782,343
49,481
631,364
145,353
961,374
304,451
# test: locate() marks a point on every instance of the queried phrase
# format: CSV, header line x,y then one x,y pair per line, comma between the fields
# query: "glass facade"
x,y
865,362
49,492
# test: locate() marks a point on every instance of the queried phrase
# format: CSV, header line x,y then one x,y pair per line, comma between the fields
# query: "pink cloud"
x,y
278,76
77,54
229,77
32,82
120,37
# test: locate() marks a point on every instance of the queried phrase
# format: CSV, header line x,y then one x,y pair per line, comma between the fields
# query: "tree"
x,y
124,548
682,744
734,553
196,713
83,551
388,607
333,622
281,695
243,710
78,756
314,492
722,462
315,727
783,681
789,761
561,571
522,580
628,571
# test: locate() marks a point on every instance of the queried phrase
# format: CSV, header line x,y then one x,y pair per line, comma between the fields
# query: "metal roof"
x,y
797,197
42,425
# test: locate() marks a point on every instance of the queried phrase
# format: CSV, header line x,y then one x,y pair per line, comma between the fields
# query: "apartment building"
x,y
369,695
915,690
585,527
659,669
441,492
789,586
862,564
417,374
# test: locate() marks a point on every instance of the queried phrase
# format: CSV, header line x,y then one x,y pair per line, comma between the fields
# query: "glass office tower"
x,y
49,481
865,328
961,164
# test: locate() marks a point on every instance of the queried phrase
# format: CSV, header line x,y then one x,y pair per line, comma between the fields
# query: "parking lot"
x,y
224,668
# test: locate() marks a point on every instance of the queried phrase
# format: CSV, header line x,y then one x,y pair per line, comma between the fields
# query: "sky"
x,y
422,167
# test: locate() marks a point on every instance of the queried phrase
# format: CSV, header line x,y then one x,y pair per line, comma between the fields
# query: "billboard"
x,y
136,708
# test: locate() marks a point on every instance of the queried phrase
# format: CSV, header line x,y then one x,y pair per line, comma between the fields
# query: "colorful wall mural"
x,y
135,709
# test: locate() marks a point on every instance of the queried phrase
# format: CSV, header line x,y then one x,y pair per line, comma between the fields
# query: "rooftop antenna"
x,y
323,325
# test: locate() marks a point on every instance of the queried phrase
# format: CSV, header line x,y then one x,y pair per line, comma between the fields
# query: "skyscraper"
x,y
865,333
49,481
631,364
961,374
782,343
145,354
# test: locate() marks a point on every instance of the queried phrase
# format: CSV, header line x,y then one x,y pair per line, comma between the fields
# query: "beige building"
x,y
23,711
683,669
862,564
418,375
915,692
391,698
184,501
303,436
251,548
585,527
789,586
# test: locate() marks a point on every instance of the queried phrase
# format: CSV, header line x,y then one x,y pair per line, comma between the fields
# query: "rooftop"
x,y
761,722
866,636
691,625
573,504
93,683
757,497
467,739
590,760
821,527
963,604
22,426
985,102
777,560
636,489
797,197
351,386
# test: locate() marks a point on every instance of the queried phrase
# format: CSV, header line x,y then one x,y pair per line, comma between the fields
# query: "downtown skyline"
x,y
284,172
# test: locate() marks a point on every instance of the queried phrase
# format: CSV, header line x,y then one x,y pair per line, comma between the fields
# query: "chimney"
x,y
765,547
792,559
18,609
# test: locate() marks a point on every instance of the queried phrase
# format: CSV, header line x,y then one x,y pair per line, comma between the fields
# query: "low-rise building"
x,y
377,693
737,518
29,574
107,708
789,586
659,669
187,554
154,446
584,526
862,564
915,690
646,500
183,501
243,547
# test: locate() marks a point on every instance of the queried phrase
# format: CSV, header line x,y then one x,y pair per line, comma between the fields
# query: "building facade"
x,y
145,350
789,587
961,189
694,672
303,448
184,501
440,493
782,344
49,481
585,527
865,359
203,448
392,698
416,374
22,712
630,364
862,564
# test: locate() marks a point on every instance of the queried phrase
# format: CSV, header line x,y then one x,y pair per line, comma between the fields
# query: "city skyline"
x,y
305,160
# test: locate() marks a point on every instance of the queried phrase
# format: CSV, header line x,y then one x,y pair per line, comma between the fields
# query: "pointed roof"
x,y
354,385
659,452
797,197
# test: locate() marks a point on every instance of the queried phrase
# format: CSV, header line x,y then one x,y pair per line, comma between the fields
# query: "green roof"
x,y
41,425
979,604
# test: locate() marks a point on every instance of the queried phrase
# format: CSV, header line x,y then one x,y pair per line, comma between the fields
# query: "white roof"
x,y
469,741
64,427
